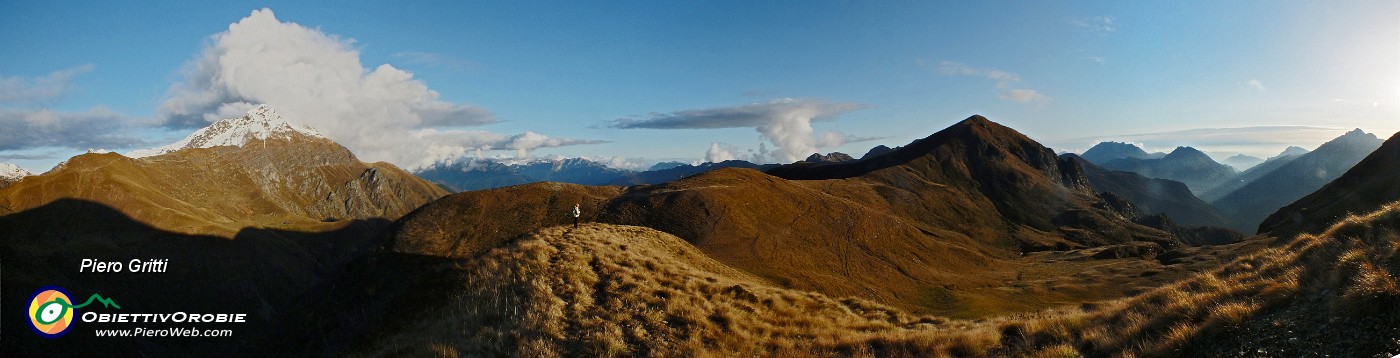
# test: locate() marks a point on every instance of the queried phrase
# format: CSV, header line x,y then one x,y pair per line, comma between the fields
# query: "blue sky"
x,y
771,79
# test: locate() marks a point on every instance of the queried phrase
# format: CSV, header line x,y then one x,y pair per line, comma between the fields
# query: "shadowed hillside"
x,y
263,273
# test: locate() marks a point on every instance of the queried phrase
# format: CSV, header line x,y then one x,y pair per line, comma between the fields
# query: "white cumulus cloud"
x,y
720,152
317,79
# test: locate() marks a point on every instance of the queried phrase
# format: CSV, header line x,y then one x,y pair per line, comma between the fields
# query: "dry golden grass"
x,y
607,290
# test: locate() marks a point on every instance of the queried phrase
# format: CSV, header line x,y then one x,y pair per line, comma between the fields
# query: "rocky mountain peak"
x,y
258,124
11,172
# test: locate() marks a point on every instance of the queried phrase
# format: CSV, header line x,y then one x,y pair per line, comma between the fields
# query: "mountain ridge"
x,y
1369,184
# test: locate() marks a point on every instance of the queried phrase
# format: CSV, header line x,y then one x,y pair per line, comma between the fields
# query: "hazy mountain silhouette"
x,y
685,170
485,174
1247,207
1185,164
1242,162
490,174
1254,173
1108,151
664,166
1368,185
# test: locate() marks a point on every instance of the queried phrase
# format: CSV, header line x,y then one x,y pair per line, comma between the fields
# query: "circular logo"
x,y
50,311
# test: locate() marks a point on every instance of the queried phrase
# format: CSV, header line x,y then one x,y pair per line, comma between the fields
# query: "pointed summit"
x,y
1355,135
261,123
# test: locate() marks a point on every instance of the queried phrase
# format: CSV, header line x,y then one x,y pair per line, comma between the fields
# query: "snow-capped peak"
x,y
259,123
11,172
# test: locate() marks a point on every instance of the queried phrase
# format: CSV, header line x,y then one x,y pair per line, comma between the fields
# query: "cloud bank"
x,y
787,123
25,124
91,129
317,79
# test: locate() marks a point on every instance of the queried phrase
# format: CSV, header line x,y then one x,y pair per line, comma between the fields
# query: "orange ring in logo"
x,y
49,312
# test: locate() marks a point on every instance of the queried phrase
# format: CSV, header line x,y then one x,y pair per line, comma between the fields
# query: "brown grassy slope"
x,y
1369,184
921,233
217,191
1334,293
609,291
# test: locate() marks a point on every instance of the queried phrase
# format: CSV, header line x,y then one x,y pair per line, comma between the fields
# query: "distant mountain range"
x,y
1254,173
490,174
1256,199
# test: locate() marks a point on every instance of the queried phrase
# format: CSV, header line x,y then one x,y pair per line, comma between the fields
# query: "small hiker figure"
x,y
576,213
